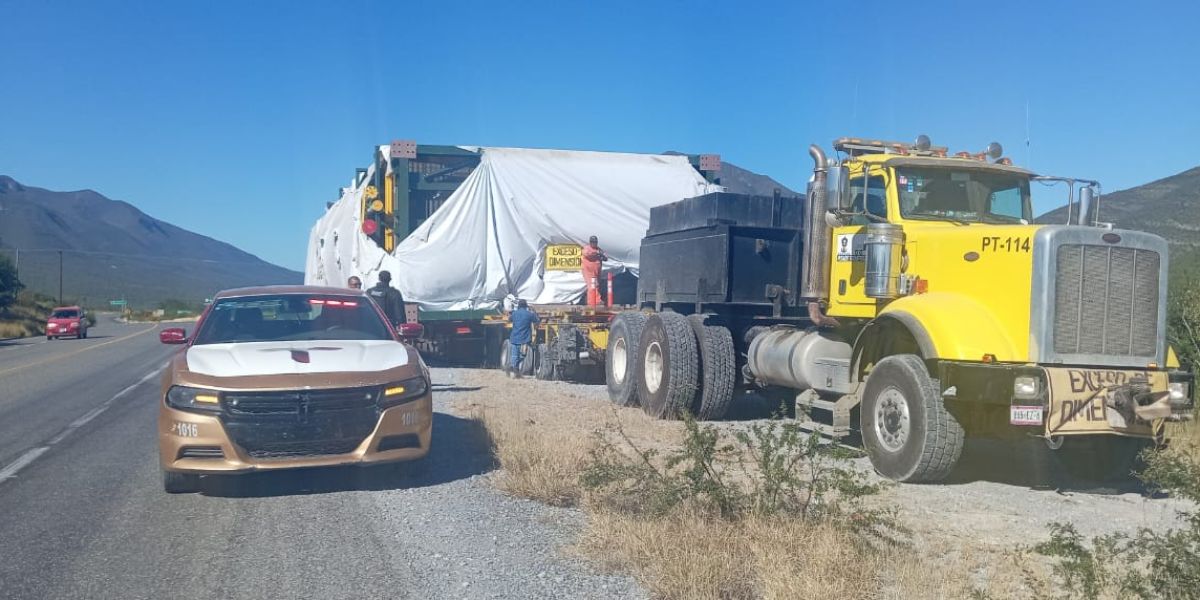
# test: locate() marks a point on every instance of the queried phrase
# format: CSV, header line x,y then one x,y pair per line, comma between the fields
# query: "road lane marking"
x,y
74,352
10,470
21,462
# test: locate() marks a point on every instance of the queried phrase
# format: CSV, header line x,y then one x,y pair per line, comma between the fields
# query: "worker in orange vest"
x,y
593,263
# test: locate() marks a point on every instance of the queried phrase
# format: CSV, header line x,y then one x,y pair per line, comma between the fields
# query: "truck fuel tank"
x,y
800,359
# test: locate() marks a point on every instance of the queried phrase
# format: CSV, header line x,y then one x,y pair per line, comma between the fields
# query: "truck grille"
x,y
290,424
1106,300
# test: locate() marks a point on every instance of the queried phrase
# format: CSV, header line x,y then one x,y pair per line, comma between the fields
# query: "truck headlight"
x,y
1026,387
403,391
194,399
1180,394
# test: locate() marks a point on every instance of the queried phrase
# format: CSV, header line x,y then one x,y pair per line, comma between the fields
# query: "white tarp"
x,y
486,241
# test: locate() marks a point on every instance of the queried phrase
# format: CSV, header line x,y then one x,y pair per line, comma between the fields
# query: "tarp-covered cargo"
x,y
486,241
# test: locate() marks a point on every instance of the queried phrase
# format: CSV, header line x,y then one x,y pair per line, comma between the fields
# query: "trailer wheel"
x,y
1100,459
668,366
718,370
529,362
545,366
906,429
621,357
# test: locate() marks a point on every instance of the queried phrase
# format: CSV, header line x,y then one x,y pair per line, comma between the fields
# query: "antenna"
x,y
1028,146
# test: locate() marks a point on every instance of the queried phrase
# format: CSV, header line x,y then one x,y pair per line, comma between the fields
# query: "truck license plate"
x,y
1025,415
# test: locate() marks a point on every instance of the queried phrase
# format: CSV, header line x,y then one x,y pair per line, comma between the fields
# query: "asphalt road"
x,y
83,514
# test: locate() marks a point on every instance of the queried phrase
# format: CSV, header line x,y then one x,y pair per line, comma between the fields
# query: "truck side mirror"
x,y
837,188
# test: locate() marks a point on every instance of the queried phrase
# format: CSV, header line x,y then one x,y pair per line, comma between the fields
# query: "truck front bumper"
x,y
1075,400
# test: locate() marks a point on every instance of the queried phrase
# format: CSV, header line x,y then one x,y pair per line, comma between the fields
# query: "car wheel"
x,y
907,431
621,358
180,483
718,370
49,337
668,366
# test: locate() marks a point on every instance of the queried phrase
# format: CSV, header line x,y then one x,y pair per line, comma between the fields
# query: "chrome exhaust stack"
x,y
814,274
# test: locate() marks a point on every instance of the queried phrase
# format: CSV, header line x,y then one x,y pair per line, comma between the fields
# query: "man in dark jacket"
x,y
389,299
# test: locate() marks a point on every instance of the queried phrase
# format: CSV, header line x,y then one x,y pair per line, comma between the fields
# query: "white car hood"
x,y
287,358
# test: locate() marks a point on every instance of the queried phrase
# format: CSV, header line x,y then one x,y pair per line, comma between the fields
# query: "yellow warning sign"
x,y
564,257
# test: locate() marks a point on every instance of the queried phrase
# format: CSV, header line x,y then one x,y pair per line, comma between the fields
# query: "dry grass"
x,y
16,329
689,556
1185,437
541,460
542,435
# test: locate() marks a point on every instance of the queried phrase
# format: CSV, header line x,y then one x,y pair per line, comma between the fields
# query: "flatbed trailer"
x,y
569,343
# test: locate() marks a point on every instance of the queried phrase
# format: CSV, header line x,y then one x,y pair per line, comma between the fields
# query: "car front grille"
x,y
292,424
1106,301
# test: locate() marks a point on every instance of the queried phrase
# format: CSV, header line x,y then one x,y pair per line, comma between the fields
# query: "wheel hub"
x,y
619,359
654,367
892,421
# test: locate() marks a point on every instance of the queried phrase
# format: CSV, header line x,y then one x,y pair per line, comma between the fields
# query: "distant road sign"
x,y
117,302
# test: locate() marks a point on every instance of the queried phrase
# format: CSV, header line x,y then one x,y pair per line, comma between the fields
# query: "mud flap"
x,y
1092,401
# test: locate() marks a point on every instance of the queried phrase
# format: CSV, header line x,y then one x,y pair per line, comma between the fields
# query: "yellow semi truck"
x,y
910,298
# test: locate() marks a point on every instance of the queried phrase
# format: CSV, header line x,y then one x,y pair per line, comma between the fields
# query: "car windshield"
x,y
291,317
64,314
963,195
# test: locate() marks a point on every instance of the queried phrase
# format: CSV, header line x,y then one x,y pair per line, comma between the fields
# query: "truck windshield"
x,y
963,195
291,317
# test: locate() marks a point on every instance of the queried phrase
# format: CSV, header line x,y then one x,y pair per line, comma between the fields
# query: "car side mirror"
x,y
410,332
173,335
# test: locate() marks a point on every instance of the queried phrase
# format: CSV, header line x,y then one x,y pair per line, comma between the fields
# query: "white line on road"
x,y
10,471
21,462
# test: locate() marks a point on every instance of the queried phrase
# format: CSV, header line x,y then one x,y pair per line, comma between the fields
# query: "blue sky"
x,y
239,120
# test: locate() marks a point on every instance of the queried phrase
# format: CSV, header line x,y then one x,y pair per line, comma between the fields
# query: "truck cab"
x,y
930,305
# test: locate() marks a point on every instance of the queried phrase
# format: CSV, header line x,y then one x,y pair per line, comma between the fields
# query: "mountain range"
x,y
111,250
1169,207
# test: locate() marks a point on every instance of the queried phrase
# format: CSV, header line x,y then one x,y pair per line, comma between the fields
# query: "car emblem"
x,y
300,356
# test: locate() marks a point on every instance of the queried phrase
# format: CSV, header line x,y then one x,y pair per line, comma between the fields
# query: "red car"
x,y
67,321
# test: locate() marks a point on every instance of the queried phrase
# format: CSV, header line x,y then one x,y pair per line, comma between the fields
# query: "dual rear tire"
x,y
670,365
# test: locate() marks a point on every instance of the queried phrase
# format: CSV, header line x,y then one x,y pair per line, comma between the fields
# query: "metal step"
x,y
825,429
818,403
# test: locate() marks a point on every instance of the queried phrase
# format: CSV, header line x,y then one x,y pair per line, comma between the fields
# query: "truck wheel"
x,y
180,483
906,429
718,370
1100,459
545,366
505,356
668,365
621,358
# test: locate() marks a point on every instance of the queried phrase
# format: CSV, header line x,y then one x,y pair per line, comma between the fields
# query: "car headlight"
x,y
194,399
1180,395
1026,387
403,391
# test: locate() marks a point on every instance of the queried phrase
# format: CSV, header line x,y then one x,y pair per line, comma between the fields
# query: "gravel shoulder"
x,y
1000,498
